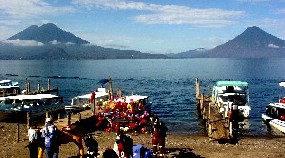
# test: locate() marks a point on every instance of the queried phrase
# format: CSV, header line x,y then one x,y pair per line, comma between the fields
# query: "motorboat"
x,y
7,87
83,102
232,93
275,114
17,107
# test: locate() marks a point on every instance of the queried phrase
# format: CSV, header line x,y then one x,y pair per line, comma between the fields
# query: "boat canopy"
x,y
8,83
88,96
32,97
231,83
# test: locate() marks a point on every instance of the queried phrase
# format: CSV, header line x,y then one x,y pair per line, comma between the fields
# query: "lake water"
x,y
169,83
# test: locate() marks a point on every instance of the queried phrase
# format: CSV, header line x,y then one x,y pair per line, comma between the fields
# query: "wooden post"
x,y
58,115
26,85
28,119
29,87
48,84
202,101
94,106
39,87
119,93
111,88
68,118
47,115
197,88
18,132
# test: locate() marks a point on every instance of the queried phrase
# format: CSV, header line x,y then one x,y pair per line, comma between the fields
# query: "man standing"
x,y
50,134
33,141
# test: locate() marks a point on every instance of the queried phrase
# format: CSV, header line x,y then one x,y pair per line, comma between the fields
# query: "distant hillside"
x,y
252,43
188,54
50,42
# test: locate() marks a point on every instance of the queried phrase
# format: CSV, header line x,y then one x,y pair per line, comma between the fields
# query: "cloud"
x,y
23,42
253,1
169,14
281,11
117,46
54,42
273,46
19,9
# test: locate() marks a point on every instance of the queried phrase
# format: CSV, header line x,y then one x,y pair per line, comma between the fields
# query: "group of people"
x,y
129,116
47,138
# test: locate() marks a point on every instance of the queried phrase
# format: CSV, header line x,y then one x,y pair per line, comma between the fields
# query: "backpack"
x,y
50,134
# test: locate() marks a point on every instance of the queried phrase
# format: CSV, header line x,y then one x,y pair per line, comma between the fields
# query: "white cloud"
x,y
273,46
253,1
23,42
169,14
281,11
54,42
69,43
19,9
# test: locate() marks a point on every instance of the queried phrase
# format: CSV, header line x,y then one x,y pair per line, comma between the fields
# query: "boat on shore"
x,y
16,108
7,88
274,116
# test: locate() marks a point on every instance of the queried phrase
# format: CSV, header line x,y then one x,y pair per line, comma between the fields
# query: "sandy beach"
x,y
177,146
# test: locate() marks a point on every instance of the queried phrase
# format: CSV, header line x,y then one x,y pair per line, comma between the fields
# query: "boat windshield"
x,y
239,99
275,112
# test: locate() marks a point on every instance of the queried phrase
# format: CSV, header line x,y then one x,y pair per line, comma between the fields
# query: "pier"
x,y
216,125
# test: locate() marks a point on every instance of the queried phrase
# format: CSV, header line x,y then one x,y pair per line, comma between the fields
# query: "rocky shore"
x,y
177,146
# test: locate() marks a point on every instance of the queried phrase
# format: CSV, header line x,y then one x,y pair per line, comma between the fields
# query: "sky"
x,y
149,26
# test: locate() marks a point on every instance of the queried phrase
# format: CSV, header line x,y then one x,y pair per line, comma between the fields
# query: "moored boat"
x,y
7,87
220,111
83,102
17,107
275,114
235,93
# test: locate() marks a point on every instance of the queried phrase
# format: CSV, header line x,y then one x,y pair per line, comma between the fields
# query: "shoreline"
x,y
177,145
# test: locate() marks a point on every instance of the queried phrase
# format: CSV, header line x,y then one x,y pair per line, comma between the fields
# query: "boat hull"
x,y
276,125
10,115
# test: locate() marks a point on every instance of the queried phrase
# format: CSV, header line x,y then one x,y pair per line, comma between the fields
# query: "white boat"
x,y
7,87
275,114
17,107
232,93
83,101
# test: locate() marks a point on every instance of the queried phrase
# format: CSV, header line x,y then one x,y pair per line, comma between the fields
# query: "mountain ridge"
x,y
252,43
50,42
47,33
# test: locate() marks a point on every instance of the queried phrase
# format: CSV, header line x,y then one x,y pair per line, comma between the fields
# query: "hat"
x,y
48,119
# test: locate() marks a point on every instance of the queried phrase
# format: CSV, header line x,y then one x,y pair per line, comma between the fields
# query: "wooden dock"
x,y
217,127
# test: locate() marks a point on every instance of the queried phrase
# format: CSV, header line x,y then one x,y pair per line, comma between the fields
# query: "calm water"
x,y
170,84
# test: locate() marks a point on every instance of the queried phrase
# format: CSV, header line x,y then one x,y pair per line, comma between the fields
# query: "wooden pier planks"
x,y
216,126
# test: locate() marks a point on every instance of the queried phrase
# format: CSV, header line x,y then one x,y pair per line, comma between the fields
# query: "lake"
x,y
169,83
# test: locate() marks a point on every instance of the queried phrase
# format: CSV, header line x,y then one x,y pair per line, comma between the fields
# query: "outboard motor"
x,y
92,146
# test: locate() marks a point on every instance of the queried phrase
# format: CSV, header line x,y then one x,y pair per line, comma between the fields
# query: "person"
x,y
50,135
33,141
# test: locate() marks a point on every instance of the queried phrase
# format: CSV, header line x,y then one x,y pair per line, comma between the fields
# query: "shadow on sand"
x,y
181,153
